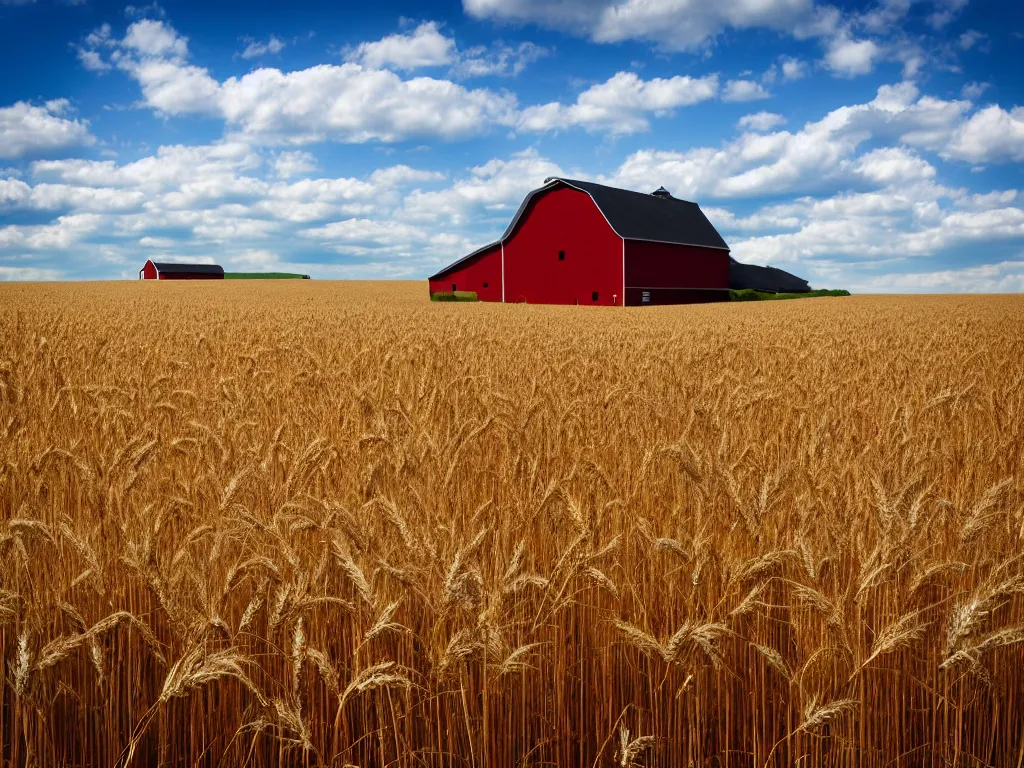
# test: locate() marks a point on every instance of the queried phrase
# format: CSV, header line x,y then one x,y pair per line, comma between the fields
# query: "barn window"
x,y
561,255
485,285
453,287
593,296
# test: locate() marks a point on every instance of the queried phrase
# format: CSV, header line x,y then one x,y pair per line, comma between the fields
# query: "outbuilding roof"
x,y
169,268
772,279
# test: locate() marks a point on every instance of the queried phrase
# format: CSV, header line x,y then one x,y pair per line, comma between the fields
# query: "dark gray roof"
x,y
771,279
658,218
191,269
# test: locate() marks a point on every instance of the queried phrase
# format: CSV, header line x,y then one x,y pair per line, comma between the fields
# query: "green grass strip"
x,y
264,276
457,296
752,295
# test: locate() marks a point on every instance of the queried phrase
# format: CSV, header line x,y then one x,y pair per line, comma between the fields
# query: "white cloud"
x,y
893,165
425,46
672,24
290,164
1001,277
500,60
92,60
16,194
428,46
974,91
61,234
904,220
744,90
33,274
348,103
621,104
255,48
227,195
29,129
155,39
157,242
991,135
170,166
143,11
945,11
761,121
792,68
490,191
815,157
969,39
352,104
849,57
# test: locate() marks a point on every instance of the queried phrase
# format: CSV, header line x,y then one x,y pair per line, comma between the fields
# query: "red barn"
x,y
163,271
576,242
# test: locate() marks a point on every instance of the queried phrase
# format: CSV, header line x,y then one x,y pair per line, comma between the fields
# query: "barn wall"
x,y
481,274
563,220
188,276
635,297
149,271
660,265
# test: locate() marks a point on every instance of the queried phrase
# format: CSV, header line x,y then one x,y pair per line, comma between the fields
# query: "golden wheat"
x,y
335,524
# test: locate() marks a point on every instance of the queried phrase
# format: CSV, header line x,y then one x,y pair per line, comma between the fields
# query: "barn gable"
x,y
563,251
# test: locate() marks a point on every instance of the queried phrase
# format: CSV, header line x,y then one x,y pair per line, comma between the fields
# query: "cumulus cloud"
x,y
289,164
255,48
893,165
33,274
425,46
230,198
491,191
969,39
793,68
672,24
744,90
990,135
760,121
848,57
945,11
1001,277
499,60
818,155
27,129
349,102
155,39
621,105
974,91
428,46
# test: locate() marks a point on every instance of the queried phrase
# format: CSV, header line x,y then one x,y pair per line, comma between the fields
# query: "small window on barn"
x,y
593,296
485,285
561,255
453,287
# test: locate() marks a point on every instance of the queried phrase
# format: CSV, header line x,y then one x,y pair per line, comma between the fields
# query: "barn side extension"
x,y
479,272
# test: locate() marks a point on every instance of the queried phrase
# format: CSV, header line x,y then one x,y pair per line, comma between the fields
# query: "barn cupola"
x,y
661,192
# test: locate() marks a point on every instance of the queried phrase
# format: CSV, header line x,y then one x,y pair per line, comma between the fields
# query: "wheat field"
x,y
330,524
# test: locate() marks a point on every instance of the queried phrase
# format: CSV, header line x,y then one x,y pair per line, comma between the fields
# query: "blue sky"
x,y
877,146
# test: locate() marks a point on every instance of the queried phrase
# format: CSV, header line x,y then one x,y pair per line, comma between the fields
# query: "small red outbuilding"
x,y
576,242
154,270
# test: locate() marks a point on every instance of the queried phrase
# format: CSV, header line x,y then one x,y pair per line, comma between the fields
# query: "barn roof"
x,y
189,269
639,216
656,217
